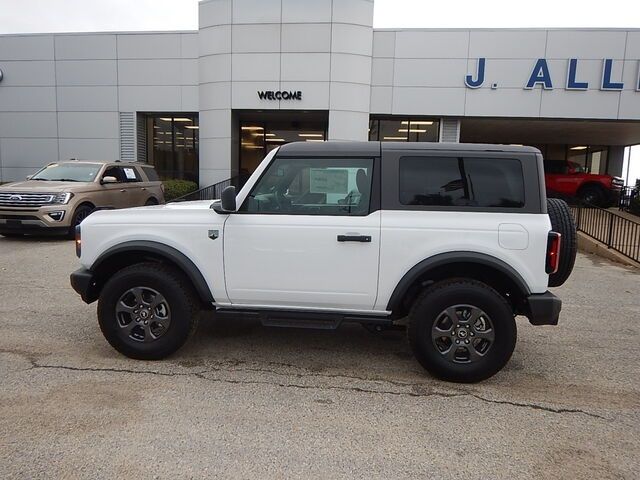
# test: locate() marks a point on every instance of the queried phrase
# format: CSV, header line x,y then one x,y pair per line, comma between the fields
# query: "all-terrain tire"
x,y
563,223
427,313
180,302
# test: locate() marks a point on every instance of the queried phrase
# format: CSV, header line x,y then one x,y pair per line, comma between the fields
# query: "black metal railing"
x,y
212,192
627,194
617,232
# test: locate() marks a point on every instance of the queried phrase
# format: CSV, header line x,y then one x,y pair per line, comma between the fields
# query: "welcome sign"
x,y
541,75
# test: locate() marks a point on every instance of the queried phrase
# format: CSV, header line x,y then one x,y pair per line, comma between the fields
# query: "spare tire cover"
x,y
563,223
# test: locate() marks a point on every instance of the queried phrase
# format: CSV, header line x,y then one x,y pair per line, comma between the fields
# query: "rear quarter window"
x,y
481,182
151,174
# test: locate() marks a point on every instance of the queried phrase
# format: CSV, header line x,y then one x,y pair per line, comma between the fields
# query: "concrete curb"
x,y
589,245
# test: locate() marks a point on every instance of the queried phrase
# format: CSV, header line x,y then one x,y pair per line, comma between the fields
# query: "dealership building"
x,y
208,104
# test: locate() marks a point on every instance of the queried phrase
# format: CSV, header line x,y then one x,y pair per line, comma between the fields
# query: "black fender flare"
x,y
442,259
175,256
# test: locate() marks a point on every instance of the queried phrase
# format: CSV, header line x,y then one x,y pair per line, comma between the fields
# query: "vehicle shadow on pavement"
x,y
34,239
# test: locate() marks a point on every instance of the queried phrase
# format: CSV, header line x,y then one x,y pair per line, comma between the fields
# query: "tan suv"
x,y
62,194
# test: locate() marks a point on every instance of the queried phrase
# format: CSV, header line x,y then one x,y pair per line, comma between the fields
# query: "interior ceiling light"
x,y
192,127
316,135
395,138
275,140
582,147
176,119
251,128
412,130
313,140
417,122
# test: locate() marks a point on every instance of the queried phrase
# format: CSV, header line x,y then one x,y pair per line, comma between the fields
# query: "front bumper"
x,y
543,309
35,221
83,281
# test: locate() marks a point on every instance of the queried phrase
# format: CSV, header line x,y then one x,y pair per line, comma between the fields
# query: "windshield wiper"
x,y
40,179
64,180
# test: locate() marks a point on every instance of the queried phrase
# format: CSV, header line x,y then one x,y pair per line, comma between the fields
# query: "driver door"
x,y
306,236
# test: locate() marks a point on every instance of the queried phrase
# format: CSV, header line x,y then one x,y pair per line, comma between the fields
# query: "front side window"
x,y
555,167
461,182
313,187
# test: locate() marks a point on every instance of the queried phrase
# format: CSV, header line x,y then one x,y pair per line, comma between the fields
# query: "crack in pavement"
x,y
431,393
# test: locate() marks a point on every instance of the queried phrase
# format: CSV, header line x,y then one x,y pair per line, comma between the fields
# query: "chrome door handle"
x,y
144,188
122,190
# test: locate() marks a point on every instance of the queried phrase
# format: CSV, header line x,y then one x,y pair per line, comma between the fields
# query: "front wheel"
x,y
462,330
593,195
147,311
82,212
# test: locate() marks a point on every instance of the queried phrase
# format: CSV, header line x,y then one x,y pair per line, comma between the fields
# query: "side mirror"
x,y
108,179
227,201
28,177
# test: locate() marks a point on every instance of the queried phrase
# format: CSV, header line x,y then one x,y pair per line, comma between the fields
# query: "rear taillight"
x,y
78,242
553,252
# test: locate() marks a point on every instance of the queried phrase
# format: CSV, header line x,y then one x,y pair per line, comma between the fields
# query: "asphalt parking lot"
x,y
244,401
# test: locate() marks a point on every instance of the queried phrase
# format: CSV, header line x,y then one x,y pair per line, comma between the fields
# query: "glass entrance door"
x,y
257,138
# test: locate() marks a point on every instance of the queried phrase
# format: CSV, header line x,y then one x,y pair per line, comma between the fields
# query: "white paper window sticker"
x,y
324,180
129,173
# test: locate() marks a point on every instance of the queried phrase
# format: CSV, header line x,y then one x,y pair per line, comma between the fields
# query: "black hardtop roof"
x,y
368,149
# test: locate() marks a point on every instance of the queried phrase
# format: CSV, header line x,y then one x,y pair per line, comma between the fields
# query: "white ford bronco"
x,y
453,240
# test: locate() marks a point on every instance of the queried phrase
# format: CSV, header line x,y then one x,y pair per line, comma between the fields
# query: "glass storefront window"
x,y
597,159
577,155
172,145
584,158
401,129
257,138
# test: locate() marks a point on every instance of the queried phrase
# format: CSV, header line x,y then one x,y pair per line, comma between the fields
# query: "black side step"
x,y
303,318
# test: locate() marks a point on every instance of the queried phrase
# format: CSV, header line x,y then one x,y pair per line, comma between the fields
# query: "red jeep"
x,y
570,180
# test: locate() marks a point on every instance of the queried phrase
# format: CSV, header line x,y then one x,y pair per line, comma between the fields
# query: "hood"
x,y
194,205
181,213
42,186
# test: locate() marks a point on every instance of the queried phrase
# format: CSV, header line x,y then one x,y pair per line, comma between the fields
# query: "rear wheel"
x,y
151,201
147,311
563,223
462,330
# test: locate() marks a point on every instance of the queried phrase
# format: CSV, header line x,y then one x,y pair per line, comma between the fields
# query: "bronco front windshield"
x,y
68,172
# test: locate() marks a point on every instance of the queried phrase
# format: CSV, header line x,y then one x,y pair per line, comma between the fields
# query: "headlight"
x,y
62,198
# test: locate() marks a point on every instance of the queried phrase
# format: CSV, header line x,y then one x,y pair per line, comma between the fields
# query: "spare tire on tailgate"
x,y
563,223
